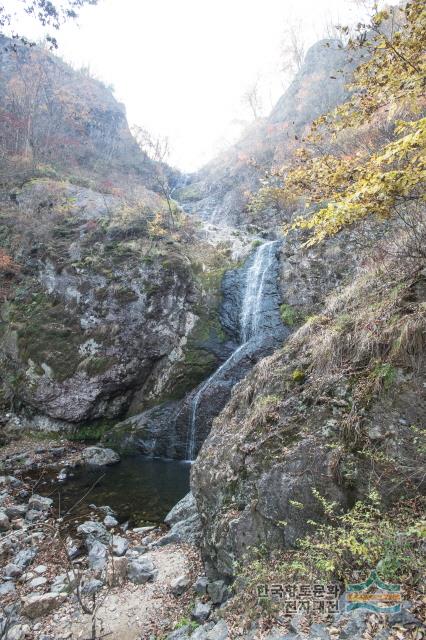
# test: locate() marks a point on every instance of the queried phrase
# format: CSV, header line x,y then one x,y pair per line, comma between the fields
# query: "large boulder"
x,y
36,606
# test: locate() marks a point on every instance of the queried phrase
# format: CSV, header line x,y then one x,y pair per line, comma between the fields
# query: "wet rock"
x,y
110,522
119,546
98,556
201,611
99,456
37,606
141,571
218,591
4,521
179,585
40,503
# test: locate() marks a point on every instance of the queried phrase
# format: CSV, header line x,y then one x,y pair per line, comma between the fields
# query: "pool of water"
x,y
138,489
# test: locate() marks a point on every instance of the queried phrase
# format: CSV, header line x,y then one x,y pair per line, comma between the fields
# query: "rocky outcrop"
x,y
302,421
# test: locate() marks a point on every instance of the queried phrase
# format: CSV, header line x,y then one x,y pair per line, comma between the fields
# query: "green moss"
x,y
298,375
92,432
290,315
47,333
99,364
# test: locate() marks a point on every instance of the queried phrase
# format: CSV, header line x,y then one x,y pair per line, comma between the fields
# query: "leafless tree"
x,y
157,149
253,100
293,47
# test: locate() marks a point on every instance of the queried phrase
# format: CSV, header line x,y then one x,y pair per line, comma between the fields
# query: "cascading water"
x,y
250,327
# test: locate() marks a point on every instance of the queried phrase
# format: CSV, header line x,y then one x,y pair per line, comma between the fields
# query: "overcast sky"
x,y
182,66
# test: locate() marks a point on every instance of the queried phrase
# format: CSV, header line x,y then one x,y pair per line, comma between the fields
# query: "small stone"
x,y
19,632
117,571
217,591
4,521
35,583
6,588
92,531
119,546
33,515
16,511
41,568
141,571
98,556
40,503
201,611
25,557
91,587
36,606
12,570
179,585
110,522
200,585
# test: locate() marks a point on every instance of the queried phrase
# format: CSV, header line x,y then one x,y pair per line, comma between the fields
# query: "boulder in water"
x,y
99,456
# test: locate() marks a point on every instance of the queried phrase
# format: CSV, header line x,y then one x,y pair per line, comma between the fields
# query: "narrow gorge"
x,y
212,384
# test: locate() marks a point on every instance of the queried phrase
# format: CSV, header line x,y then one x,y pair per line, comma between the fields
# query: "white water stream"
x,y
250,327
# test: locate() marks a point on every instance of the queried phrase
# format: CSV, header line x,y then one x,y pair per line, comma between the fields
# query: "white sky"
x,y
181,66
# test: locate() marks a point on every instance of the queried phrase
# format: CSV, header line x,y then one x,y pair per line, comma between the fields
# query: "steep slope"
x,y
339,410
106,302
221,190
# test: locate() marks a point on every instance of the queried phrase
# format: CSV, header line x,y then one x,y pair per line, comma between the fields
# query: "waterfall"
x,y
250,327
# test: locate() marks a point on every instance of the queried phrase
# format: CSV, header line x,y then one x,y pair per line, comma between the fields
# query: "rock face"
x,y
289,426
250,315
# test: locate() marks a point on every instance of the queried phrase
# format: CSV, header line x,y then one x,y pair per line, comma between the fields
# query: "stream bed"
x,y
138,489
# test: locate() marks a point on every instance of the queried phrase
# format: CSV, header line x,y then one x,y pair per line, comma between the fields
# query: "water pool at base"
x,y
138,489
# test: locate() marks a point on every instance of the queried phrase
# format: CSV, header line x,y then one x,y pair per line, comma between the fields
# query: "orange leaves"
x,y
7,265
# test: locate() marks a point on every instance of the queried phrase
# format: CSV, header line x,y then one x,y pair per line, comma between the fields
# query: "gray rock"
x,y
218,632
201,611
37,606
33,515
35,583
6,588
110,522
185,508
183,633
25,557
16,511
93,531
64,583
91,587
98,556
12,570
179,585
200,585
141,571
19,632
100,456
74,549
119,546
41,568
4,521
218,591
40,503
184,521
